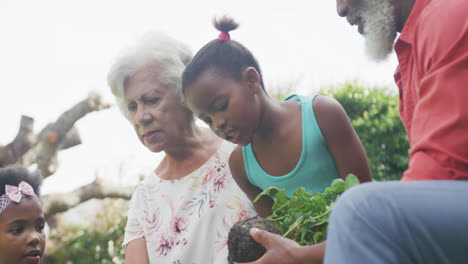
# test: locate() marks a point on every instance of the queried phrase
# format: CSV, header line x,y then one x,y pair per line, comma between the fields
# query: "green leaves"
x,y
351,180
304,216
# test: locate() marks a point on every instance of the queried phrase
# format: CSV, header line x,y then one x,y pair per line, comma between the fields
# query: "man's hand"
x,y
283,250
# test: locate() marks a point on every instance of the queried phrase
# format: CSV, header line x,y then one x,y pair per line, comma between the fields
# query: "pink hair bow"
x,y
15,193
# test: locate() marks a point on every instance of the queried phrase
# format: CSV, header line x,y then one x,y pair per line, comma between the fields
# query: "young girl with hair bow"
x,y
22,236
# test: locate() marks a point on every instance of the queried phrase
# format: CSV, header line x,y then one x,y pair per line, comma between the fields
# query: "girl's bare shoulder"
x,y
329,113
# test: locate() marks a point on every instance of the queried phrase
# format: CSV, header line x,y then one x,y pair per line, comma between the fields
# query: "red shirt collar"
x,y
412,21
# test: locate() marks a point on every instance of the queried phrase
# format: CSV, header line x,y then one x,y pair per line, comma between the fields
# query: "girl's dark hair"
x,y
226,56
13,175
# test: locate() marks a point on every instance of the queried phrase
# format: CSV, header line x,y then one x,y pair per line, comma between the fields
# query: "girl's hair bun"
x,y
225,24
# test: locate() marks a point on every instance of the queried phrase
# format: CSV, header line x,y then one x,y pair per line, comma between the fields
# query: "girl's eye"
x,y
17,230
40,227
224,106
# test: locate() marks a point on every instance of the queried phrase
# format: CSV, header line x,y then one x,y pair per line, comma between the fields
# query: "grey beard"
x,y
379,28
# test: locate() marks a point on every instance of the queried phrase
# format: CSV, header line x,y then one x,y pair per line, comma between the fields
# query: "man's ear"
x,y
251,77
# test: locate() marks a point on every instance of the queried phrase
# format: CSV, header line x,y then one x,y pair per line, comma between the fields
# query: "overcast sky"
x,y
54,52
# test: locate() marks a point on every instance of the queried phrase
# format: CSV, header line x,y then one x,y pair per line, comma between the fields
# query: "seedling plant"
x,y
304,216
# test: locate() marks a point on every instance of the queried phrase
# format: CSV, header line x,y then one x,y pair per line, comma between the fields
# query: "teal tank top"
x,y
316,168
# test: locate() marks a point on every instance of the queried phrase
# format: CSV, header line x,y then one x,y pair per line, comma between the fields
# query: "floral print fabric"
x,y
188,220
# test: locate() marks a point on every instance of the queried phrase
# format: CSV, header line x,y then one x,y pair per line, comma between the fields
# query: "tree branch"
x,y
60,135
25,139
61,202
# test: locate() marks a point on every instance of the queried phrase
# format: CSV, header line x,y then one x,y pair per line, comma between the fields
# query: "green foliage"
x,y
102,243
304,216
375,117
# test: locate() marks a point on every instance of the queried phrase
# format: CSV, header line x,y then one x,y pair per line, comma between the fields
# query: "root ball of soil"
x,y
242,247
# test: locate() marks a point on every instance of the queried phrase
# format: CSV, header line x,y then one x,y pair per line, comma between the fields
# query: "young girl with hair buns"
x,y
299,142
22,236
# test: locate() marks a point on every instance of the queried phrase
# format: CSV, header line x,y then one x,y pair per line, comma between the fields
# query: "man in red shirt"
x,y
423,218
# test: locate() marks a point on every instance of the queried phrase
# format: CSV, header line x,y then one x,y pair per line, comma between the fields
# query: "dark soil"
x,y
242,247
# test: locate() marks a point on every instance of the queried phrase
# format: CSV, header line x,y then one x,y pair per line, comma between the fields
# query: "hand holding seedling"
x,y
304,216
285,251
302,220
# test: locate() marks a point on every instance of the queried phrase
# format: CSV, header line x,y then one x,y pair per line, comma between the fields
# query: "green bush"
x,y
375,117
101,242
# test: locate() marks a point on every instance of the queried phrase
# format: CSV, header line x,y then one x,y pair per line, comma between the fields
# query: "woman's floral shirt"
x,y
188,220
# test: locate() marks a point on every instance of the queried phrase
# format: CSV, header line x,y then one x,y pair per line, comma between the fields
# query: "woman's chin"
x,y
155,148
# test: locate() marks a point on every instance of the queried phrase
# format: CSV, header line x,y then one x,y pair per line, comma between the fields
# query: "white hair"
x,y
155,48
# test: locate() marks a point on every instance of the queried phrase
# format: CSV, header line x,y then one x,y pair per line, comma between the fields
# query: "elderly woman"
x,y
182,212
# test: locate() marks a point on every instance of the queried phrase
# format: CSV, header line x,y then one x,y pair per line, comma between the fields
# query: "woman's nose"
x,y
143,116
341,8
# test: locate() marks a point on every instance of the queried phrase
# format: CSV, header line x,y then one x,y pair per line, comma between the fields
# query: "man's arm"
x,y
439,125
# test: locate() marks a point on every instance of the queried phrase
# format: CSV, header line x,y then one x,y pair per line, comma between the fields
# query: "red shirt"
x,y
432,77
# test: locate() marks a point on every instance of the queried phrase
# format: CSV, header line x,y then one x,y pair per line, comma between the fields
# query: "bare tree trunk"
x,y
61,202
